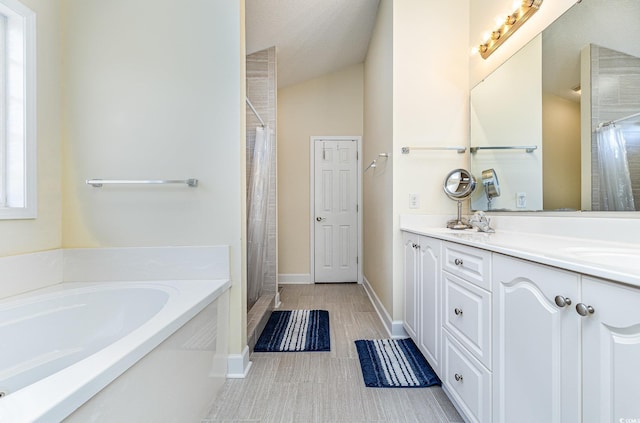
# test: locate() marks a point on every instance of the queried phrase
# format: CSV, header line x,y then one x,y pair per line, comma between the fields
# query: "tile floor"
x,y
327,386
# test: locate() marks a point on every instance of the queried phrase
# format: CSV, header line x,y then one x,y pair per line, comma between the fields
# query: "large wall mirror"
x,y
559,122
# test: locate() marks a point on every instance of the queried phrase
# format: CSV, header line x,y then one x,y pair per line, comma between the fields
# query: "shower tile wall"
x,y
615,93
262,92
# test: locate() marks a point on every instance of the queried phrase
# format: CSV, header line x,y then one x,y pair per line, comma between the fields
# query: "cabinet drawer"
x,y
469,263
467,315
467,381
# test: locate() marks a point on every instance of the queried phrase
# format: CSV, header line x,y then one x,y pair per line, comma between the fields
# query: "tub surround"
x,y
146,263
170,344
26,272
597,246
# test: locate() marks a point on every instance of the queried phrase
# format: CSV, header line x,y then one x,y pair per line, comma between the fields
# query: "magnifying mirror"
x,y
458,185
491,185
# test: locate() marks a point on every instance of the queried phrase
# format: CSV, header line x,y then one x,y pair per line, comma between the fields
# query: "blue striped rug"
x,y
295,330
394,363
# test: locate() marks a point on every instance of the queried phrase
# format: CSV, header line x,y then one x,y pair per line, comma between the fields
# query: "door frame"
x,y
312,176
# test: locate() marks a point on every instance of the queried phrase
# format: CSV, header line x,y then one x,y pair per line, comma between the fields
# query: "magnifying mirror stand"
x,y
459,223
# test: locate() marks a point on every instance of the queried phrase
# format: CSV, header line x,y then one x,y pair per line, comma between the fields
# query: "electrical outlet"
x,y
414,201
521,200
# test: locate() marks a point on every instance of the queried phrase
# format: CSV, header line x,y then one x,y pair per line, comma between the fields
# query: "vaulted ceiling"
x,y
312,37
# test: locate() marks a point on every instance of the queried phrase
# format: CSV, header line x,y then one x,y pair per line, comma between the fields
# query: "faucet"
x,y
481,222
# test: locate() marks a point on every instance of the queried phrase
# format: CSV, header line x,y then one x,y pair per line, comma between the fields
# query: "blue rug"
x,y
394,363
295,330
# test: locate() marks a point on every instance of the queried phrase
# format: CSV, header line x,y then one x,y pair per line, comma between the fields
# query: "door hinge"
x,y
357,260
357,208
357,155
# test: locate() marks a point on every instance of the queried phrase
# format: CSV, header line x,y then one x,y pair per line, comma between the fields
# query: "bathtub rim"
x,y
76,384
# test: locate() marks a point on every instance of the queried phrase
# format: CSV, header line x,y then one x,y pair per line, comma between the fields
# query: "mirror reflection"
x,y
559,122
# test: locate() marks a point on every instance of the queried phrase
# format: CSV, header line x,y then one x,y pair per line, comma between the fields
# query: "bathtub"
x,y
63,346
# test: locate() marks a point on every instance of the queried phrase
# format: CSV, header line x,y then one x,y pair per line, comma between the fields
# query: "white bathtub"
x,y
62,345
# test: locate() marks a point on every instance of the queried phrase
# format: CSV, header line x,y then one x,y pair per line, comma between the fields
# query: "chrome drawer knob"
x,y
584,310
458,262
457,311
458,377
562,301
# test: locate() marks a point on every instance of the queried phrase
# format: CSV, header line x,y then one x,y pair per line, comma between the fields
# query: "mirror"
x,y
459,185
535,120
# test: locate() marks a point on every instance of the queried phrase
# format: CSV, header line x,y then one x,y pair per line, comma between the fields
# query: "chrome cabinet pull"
x,y
458,262
562,301
457,311
320,219
458,377
584,310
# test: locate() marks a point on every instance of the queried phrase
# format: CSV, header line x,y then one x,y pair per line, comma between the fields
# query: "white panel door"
x,y
610,352
335,216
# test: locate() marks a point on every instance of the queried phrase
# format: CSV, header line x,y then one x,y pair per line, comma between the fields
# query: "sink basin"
x,y
611,256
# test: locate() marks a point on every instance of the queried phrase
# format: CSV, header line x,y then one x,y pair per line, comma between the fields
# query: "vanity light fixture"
x,y
511,23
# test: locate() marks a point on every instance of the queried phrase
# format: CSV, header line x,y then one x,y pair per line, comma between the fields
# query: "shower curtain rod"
x,y
611,122
255,112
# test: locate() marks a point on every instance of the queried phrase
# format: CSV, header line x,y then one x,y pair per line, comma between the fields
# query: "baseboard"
x,y
294,279
238,365
394,327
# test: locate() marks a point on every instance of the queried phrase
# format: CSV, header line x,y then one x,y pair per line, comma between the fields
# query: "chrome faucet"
x,y
481,222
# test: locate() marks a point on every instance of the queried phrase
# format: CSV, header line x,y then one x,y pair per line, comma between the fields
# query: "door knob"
x,y
320,219
584,310
459,377
458,311
458,262
562,301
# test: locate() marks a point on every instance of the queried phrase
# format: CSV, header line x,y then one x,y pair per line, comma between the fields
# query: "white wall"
x,y
44,232
378,138
430,108
154,89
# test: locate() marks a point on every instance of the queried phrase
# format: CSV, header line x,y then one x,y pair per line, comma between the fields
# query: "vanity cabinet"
x,y
566,346
422,295
514,340
610,352
466,323
537,359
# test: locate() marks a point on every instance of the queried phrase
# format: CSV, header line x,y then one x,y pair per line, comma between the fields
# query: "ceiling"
x,y
312,37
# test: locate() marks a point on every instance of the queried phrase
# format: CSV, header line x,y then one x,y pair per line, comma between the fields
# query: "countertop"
x,y
615,261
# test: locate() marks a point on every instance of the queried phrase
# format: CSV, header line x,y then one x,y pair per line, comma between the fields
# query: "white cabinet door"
x,y
611,352
411,275
536,343
429,280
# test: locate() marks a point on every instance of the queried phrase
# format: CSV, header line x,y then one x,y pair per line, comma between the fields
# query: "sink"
x,y
612,256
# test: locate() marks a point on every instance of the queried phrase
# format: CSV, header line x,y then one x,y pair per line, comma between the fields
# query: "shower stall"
x,y
615,139
262,225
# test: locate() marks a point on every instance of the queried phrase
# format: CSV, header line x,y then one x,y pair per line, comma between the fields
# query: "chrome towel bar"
x,y
527,148
460,150
97,183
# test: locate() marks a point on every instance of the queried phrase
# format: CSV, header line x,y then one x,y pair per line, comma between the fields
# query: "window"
x,y
17,111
